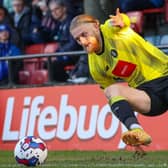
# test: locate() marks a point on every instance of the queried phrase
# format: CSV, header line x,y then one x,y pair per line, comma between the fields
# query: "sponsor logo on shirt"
x,y
123,69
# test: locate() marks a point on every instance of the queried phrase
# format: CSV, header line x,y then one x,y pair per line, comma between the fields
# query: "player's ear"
x,y
97,24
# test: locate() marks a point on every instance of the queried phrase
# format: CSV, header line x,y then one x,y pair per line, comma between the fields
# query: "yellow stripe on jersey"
x,y
126,56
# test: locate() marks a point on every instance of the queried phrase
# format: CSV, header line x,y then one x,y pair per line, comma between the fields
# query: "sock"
x,y
134,126
124,112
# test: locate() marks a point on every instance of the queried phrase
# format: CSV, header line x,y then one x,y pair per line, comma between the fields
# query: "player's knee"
x,y
113,90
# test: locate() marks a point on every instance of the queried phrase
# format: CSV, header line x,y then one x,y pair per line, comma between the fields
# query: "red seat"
x,y
49,48
24,77
166,11
39,76
153,10
30,65
28,68
137,20
137,17
33,72
163,10
35,77
35,49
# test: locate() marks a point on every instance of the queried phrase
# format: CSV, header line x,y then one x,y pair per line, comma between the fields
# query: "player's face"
x,y
88,36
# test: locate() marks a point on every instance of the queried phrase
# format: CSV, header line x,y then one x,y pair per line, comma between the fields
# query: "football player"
x,y
115,53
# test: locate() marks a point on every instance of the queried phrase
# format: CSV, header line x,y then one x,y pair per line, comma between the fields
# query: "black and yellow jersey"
x,y
127,56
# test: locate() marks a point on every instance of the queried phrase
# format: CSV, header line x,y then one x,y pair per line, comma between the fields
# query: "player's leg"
x,y
123,101
138,99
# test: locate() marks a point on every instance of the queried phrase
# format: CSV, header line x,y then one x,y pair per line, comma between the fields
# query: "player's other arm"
x,y
119,20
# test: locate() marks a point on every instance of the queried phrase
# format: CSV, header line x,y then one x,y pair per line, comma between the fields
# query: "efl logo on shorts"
x,y
124,69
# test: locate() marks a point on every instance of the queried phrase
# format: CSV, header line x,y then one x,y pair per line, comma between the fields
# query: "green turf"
x,y
95,159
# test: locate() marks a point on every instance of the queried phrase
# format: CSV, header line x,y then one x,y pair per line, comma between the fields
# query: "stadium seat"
x,y
30,64
153,10
156,11
35,48
33,63
39,76
33,72
137,20
166,11
49,48
137,17
24,77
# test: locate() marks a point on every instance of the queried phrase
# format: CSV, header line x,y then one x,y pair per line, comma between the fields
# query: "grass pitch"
x,y
94,159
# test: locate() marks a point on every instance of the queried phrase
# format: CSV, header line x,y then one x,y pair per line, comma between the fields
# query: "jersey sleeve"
x,y
126,20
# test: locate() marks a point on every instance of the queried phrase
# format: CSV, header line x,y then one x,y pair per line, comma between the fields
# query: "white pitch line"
x,y
109,165
164,165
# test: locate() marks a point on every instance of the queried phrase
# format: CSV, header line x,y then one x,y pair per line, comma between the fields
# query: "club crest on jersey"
x,y
114,53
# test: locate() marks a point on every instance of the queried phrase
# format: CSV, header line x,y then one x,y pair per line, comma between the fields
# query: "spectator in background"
x,y
132,5
62,36
6,19
7,49
74,7
26,22
48,24
8,4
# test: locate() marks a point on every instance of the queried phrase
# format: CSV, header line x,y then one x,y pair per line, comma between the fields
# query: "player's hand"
x,y
117,19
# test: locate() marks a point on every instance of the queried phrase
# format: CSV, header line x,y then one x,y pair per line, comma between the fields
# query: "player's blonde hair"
x,y
82,19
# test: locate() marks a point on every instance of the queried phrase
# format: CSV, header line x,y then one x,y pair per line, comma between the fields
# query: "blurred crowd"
x,y
37,21
24,23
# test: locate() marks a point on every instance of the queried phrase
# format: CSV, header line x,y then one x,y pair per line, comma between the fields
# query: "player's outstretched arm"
x,y
120,20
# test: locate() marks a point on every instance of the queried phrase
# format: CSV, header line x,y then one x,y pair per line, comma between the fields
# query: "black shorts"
x,y
157,90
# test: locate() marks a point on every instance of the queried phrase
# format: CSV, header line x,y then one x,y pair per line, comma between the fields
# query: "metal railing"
x,y
30,56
